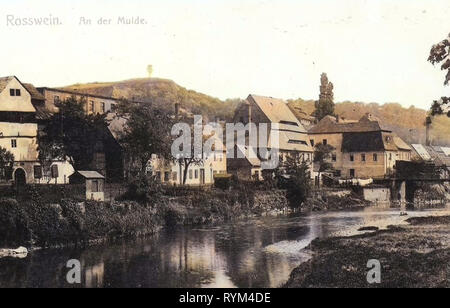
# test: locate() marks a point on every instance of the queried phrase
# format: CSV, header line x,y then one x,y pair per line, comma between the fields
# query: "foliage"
x,y
163,94
322,157
223,181
440,54
295,178
146,133
72,133
6,163
325,105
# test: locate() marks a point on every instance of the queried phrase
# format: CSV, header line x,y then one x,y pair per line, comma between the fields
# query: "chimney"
x,y
177,108
338,118
428,122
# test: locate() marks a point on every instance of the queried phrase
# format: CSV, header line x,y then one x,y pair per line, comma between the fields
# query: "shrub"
x,y
223,181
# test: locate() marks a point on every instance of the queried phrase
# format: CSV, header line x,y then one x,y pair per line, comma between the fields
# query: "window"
x,y
95,186
55,171
333,157
158,175
103,107
312,142
390,156
324,141
375,157
352,173
14,92
92,106
14,143
56,99
190,174
352,158
37,172
174,176
166,176
363,157
196,174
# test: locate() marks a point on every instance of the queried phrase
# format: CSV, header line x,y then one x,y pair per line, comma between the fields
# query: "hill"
x,y
408,123
162,93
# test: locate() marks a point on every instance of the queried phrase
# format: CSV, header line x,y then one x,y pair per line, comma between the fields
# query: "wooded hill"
x,y
408,123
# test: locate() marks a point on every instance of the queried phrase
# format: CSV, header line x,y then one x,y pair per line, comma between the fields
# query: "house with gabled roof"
x,y
362,149
21,108
292,136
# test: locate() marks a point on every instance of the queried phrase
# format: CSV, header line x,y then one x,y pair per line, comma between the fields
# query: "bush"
x,y
222,181
13,224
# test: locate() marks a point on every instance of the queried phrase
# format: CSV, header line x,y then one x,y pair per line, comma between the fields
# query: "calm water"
x,y
255,253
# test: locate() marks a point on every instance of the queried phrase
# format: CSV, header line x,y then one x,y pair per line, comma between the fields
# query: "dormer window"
x,y
14,92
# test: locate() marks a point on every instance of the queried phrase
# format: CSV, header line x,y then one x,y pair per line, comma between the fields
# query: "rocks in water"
x,y
369,228
20,253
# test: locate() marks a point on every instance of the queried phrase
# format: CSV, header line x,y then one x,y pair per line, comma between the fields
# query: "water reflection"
x,y
255,253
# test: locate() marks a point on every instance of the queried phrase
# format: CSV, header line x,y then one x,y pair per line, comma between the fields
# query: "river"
x,y
258,252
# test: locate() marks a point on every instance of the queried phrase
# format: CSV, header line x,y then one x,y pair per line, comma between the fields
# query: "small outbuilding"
x,y
93,183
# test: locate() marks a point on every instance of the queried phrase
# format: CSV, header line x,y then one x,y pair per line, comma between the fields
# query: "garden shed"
x,y
93,184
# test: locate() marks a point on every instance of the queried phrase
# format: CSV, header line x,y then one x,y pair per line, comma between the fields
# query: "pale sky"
x,y
372,50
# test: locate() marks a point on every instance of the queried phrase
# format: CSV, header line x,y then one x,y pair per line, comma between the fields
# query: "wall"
x,y
213,164
377,194
50,94
20,103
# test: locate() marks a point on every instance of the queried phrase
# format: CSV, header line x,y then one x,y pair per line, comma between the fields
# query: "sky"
x,y
372,50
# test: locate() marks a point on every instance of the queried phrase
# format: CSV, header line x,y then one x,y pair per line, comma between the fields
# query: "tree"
x,y
296,179
325,105
195,154
440,53
322,157
72,134
150,70
6,163
146,132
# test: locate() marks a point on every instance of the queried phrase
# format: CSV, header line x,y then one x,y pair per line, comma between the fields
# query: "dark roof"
x,y
329,124
88,174
362,142
372,142
35,94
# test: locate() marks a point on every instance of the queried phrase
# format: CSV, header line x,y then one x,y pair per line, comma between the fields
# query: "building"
x,y
21,111
248,167
108,157
93,103
305,119
292,136
438,156
363,149
92,184
199,174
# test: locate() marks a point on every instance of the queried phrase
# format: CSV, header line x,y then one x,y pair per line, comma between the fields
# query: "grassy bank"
x,y
47,216
415,255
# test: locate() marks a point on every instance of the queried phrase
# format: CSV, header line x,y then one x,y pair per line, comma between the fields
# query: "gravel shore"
x,y
414,255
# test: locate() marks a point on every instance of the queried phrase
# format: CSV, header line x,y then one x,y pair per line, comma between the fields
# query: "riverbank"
x,y
413,255
34,222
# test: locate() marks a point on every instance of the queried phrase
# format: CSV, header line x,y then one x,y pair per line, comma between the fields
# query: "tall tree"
x,y
6,163
146,132
322,157
440,53
72,134
325,104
